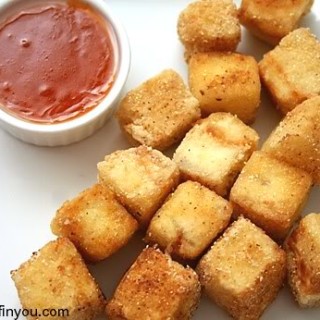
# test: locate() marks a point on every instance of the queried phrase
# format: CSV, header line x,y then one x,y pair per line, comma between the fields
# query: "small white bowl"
x,y
83,126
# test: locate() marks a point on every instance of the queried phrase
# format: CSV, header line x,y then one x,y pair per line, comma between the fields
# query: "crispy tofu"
x,y
271,20
227,82
215,150
95,222
296,140
271,194
209,25
155,288
141,178
303,261
192,217
159,112
291,71
57,278
243,271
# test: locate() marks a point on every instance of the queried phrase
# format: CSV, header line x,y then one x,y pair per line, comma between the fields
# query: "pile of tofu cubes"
x,y
218,204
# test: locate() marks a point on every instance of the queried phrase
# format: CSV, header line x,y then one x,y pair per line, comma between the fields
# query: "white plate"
x,y
35,181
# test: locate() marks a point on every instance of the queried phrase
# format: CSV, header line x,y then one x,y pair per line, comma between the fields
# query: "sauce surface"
x,y
56,63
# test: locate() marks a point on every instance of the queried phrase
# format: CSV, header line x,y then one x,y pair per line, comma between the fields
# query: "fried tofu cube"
x,y
271,194
215,150
189,221
227,82
243,271
155,288
303,261
95,222
141,178
57,278
159,112
296,140
290,83
271,20
209,25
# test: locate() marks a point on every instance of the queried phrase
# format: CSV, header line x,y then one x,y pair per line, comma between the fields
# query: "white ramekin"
x,y
83,126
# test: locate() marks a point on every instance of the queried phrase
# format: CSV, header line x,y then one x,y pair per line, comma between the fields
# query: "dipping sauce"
x,y
57,62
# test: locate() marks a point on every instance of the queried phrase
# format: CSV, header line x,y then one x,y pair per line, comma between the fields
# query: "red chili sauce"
x,y
56,62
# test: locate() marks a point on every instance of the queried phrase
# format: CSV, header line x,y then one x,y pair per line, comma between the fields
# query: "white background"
x,y
34,181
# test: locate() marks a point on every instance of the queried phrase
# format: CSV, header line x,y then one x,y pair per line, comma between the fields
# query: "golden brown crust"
x,y
56,277
141,179
215,150
155,288
95,222
191,218
226,82
243,271
303,261
271,20
296,140
271,194
209,25
159,112
289,84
